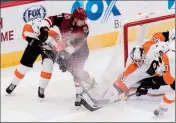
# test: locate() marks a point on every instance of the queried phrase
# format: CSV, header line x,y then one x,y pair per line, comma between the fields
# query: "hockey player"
x,y
167,78
74,32
144,64
36,36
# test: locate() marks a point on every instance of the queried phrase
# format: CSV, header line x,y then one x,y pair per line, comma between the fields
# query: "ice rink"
x,y
23,104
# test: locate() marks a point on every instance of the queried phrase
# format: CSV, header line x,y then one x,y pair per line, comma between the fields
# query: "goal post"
x,y
145,23
135,32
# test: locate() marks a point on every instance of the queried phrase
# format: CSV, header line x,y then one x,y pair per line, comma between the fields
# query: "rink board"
x,y
101,34
94,42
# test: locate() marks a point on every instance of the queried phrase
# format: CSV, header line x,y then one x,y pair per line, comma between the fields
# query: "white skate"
x,y
160,111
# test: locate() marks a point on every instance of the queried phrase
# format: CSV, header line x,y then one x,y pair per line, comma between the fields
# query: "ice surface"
x,y
23,104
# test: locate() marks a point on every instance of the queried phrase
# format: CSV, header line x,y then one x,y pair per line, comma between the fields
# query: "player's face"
x,y
80,22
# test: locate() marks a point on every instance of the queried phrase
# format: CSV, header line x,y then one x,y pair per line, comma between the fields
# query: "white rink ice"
x,y
23,104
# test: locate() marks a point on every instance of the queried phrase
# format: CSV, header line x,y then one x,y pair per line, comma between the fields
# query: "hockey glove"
x,y
152,82
141,91
143,88
157,81
43,34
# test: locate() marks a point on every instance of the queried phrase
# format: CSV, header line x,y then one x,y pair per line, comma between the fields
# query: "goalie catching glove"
x,y
147,83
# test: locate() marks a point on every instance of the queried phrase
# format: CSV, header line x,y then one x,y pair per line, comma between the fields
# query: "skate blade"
x,y
41,99
7,94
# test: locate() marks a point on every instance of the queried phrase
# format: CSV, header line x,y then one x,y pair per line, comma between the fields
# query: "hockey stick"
x,y
44,50
86,91
125,97
90,108
148,94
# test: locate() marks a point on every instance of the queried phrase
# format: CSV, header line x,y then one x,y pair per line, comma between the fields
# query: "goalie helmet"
x,y
138,55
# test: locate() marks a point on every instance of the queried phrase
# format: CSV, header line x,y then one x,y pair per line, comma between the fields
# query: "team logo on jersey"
x,y
154,65
33,13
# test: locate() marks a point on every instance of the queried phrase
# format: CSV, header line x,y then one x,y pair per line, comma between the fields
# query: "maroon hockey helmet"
x,y
80,13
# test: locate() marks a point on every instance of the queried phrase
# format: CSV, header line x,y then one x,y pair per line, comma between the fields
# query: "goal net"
x,y
134,32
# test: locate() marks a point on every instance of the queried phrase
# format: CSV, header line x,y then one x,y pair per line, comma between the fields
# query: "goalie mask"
x,y
138,55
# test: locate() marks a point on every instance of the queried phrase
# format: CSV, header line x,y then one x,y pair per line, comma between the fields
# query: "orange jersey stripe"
x,y
147,45
159,36
27,28
18,74
60,44
167,75
45,75
122,86
166,100
131,68
119,82
53,34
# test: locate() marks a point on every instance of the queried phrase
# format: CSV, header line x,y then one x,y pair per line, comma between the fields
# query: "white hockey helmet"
x,y
138,55
172,35
161,48
36,24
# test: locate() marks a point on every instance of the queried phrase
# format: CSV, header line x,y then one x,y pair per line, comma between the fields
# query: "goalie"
x,y
167,78
66,35
145,62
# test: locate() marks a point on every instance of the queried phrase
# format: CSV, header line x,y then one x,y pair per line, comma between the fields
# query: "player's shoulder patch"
x,y
86,28
67,16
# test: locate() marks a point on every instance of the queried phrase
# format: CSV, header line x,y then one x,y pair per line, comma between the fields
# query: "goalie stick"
x,y
90,108
125,97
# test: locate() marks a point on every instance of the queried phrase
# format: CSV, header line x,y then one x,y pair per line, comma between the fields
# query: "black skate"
x,y
41,93
10,88
78,101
